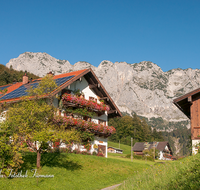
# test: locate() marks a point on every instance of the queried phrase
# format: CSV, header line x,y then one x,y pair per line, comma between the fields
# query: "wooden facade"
x,y
189,104
195,118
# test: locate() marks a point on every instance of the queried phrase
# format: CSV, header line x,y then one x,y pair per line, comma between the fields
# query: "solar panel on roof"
x,y
21,91
61,81
3,87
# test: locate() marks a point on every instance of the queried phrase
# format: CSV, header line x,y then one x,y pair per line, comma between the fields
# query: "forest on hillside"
x,y
141,129
181,136
176,133
9,75
127,127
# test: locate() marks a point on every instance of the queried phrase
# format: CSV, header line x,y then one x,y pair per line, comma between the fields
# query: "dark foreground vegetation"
x,y
182,174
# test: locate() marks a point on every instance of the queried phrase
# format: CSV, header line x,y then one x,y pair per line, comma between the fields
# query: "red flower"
x,y
85,125
83,102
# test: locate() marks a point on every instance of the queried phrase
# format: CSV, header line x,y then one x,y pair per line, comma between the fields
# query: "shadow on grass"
x,y
49,160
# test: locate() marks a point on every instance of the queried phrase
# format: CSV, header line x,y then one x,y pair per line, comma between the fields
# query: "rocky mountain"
x,y
142,87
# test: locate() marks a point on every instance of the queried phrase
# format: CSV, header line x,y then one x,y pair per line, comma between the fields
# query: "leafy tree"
x,y
127,127
46,86
184,137
31,121
10,157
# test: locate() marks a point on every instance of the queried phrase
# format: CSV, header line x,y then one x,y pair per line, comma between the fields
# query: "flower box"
x,y
72,100
84,125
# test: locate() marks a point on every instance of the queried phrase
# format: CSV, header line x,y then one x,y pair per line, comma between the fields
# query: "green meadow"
x,y
77,171
182,174
74,171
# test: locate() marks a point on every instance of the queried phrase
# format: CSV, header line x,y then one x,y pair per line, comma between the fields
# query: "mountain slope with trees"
x,y
9,75
127,127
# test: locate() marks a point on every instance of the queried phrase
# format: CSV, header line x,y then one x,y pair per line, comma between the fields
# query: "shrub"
x,y
137,157
100,154
150,158
85,153
94,153
64,150
76,151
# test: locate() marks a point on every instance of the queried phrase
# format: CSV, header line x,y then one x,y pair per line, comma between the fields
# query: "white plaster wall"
x,y
96,141
161,155
166,147
194,143
3,116
83,86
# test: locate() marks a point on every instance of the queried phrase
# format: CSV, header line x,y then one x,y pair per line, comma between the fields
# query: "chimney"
x,y
25,79
50,73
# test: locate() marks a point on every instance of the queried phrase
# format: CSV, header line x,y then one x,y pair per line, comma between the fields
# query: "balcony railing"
x,y
84,125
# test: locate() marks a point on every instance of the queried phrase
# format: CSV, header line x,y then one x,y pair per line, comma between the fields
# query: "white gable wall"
x,y
83,86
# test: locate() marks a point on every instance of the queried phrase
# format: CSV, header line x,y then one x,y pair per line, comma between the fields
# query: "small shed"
x,y
115,150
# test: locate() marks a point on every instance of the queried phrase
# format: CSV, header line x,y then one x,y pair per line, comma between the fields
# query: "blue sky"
x,y
166,32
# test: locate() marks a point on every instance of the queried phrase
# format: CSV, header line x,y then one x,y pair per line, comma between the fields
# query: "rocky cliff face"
x,y
140,87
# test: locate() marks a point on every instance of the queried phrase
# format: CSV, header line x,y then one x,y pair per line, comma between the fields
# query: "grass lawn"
x,y
181,174
75,171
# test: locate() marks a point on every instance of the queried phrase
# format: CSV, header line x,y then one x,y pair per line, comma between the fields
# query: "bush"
x,y
76,151
85,153
138,157
128,156
100,154
94,153
150,158
64,150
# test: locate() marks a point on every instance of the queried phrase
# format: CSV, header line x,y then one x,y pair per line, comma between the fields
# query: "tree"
x,y
127,127
10,156
31,121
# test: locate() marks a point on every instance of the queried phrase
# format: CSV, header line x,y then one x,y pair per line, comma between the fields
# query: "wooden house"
x,y
189,104
91,92
165,152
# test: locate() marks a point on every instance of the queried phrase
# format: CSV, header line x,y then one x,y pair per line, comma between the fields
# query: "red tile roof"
x,y
75,73
87,73
15,86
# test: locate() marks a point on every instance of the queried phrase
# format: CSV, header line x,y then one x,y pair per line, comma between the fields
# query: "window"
x,y
93,99
102,122
86,118
67,91
69,115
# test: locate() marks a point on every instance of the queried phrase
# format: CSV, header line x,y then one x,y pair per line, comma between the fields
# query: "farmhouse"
x,y
165,152
189,104
76,90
